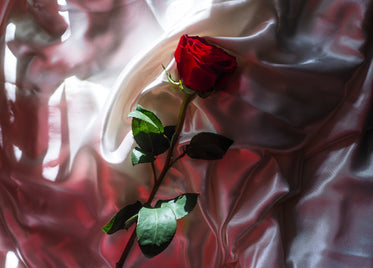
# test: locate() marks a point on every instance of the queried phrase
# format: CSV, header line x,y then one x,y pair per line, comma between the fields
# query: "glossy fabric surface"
x,y
295,189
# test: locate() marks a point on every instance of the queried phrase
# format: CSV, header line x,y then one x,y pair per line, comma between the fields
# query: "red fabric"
x,y
294,190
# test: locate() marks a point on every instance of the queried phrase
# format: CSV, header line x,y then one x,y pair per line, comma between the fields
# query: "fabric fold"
x,y
295,188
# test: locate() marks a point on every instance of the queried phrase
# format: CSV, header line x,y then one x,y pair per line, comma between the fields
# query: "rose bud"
x,y
201,65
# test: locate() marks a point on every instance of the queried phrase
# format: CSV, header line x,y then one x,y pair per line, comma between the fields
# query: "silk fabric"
x,y
294,190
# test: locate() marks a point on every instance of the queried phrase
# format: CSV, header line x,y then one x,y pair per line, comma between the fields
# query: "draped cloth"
x,y
294,190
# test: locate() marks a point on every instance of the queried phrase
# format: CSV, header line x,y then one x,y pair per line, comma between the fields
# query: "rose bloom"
x,y
201,65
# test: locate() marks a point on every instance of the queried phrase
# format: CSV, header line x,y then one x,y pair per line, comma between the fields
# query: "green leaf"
x,y
208,146
130,221
118,221
149,134
145,121
161,142
169,131
152,143
155,143
139,157
144,140
181,205
155,229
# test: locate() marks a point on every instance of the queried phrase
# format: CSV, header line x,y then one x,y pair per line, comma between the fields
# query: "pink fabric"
x,y
296,188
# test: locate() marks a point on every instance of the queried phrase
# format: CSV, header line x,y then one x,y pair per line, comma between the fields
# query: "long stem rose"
x,y
201,66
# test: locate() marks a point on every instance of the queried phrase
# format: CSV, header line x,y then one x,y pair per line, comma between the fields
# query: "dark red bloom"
x,y
201,65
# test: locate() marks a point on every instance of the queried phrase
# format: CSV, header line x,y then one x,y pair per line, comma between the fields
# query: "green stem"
x,y
154,172
178,157
126,250
179,126
169,161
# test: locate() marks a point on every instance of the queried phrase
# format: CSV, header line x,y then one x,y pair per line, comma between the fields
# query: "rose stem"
x,y
179,126
154,172
126,250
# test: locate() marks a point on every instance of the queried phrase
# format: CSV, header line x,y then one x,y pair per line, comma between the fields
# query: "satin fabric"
x,y
294,190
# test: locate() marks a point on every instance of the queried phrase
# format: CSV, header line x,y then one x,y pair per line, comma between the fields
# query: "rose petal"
x,y
201,64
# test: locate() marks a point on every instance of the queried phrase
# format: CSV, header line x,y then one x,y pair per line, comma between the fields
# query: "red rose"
x,y
201,65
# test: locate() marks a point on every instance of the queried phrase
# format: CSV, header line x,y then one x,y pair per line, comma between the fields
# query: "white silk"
x,y
294,190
